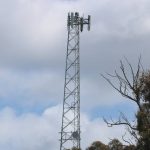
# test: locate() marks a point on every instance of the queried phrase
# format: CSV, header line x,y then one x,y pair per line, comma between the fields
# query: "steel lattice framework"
x,y
70,130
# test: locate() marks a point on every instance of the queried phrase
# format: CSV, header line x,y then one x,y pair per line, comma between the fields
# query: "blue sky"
x,y
33,36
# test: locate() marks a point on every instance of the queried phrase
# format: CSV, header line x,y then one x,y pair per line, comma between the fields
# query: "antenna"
x,y
72,20
89,22
81,24
70,129
68,21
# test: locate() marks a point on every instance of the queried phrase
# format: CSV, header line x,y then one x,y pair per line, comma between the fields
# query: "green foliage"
x,y
129,147
143,114
74,148
145,89
97,145
115,144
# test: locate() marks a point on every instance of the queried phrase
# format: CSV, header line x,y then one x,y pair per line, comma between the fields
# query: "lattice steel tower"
x,y
70,130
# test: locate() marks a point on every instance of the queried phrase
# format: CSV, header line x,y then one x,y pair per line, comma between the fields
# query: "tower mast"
x,y
70,129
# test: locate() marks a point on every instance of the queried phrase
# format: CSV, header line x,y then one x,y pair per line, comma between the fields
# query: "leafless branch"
x,y
129,142
122,120
127,88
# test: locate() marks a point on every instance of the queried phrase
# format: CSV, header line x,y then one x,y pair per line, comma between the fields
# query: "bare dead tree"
x,y
130,88
125,84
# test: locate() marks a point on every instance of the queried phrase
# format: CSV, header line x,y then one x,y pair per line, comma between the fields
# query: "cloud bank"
x,y
32,47
33,132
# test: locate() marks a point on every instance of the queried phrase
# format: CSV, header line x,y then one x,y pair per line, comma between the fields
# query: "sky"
x,y
33,39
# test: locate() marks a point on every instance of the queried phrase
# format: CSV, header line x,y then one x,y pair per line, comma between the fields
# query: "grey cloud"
x,y
35,34
29,35
33,39
30,90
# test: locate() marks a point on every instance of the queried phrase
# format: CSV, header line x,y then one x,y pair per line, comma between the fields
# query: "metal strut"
x,y
70,130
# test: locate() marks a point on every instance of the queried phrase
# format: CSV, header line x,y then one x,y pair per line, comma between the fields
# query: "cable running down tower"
x,y
70,130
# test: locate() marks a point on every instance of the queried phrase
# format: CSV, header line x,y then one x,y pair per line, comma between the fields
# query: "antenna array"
x,y
74,19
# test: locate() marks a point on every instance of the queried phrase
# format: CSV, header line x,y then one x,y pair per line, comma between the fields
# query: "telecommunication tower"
x,y
70,130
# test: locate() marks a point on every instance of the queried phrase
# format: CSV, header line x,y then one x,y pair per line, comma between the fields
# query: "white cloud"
x,y
38,132
97,130
29,131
